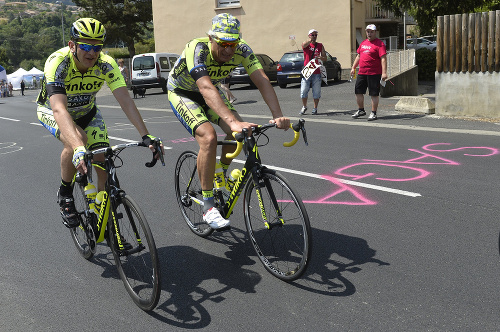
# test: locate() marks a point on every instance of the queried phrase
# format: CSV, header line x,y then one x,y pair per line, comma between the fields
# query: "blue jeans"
x,y
315,82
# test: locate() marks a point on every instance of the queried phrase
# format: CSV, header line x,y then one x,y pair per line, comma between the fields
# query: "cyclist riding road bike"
x,y
66,106
196,99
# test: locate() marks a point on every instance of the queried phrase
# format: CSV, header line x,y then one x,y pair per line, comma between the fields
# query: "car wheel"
x,y
339,75
283,86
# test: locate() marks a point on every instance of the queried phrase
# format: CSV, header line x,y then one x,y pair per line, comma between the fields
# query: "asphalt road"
x,y
404,215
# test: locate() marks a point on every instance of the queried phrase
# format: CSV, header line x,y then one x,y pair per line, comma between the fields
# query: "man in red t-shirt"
x,y
372,60
312,50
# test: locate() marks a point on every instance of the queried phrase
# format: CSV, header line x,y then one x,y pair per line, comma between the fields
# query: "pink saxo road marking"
x,y
343,188
422,173
493,151
420,160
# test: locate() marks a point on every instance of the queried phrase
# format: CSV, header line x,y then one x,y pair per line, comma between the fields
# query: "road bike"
x,y
275,217
118,220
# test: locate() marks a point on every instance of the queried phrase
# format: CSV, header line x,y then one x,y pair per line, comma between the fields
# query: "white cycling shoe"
x,y
213,218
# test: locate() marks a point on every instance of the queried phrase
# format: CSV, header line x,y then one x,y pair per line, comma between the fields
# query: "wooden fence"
x,y
468,42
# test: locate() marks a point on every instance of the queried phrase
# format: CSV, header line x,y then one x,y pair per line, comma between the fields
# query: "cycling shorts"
x,y
92,123
192,110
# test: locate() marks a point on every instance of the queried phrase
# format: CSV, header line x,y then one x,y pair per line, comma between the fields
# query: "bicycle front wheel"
x,y
189,195
283,243
135,253
83,235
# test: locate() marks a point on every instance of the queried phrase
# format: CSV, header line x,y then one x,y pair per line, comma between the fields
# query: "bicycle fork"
x,y
269,224
124,250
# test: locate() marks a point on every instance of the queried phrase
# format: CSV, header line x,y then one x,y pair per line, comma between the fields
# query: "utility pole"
x,y
62,21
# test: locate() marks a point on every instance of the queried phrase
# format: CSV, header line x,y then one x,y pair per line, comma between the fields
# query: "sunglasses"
x,y
226,44
89,47
314,35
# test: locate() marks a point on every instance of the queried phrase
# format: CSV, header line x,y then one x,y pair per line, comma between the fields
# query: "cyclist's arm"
x,y
69,131
215,102
261,81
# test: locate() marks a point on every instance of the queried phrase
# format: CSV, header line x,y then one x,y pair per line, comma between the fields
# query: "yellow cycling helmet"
x,y
88,28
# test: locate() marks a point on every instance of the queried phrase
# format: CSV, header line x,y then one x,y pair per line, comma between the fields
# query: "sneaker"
x,y
373,116
69,214
358,114
315,111
303,110
213,218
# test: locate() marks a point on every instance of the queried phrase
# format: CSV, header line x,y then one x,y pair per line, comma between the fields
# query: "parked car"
x,y
291,64
240,76
150,70
418,43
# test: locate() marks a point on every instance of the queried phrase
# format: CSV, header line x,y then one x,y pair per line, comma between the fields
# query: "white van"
x,y
150,70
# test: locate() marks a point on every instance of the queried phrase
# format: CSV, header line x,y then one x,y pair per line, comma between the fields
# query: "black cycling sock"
x,y
361,109
65,189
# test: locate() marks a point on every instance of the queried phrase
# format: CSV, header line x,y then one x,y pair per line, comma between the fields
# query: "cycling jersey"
x,y
63,77
196,61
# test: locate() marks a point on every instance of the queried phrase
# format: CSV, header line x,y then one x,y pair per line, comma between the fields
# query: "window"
x,y
227,3
144,63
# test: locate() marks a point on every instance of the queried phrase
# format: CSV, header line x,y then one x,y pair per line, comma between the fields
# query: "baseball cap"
x,y
371,27
225,27
311,31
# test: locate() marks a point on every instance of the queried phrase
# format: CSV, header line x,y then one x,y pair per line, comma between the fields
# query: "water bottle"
x,y
98,200
231,180
219,181
91,192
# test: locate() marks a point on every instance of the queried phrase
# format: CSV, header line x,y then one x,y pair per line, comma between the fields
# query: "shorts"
x,y
192,110
315,82
372,82
92,123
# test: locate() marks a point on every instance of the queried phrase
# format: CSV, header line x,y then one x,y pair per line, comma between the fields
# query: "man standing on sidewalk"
x,y
372,60
312,50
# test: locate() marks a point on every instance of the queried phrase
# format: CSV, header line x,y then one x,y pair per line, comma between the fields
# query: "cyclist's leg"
x,y
192,111
229,135
97,137
65,192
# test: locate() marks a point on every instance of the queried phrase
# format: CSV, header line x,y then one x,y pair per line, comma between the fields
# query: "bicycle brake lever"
x,y
156,145
88,164
303,129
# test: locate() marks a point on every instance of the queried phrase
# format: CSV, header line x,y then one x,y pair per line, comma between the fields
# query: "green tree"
x,y
125,20
425,12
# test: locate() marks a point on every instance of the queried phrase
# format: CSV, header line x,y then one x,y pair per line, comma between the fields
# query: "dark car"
x,y
240,76
291,64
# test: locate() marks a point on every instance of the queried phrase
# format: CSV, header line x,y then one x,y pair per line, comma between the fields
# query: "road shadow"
x,y
191,277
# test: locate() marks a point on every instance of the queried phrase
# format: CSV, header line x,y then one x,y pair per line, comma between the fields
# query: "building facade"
x,y
274,27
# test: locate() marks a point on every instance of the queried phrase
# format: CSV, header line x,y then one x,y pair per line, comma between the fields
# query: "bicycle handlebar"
x,y
112,149
241,137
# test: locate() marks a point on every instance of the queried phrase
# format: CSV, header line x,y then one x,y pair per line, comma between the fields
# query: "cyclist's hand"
x,y
79,159
281,123
239,126
148,141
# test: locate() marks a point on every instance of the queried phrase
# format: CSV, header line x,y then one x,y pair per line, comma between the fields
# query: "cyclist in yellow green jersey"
x,y
196,98
66,105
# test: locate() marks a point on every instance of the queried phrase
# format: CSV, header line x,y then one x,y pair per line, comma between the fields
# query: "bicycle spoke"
x,y
284,247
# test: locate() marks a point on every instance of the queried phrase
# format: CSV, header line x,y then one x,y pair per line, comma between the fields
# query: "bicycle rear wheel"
x,y
83,235
135,253
283,245
188,193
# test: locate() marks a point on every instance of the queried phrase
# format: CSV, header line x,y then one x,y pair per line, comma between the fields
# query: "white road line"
x,y
9,119
349,182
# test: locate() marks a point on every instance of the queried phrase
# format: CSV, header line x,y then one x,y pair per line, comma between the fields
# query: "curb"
x,y
416,105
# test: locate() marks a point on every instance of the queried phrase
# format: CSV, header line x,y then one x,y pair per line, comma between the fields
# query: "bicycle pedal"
x,y
223,229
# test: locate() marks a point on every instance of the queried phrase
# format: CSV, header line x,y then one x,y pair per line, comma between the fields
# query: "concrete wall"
x,y
405,84
468,94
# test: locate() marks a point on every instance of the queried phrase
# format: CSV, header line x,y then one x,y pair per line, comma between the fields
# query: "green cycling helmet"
x,y
88,28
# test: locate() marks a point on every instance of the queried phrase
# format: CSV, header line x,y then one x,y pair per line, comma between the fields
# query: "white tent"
x,y
16,77
35,72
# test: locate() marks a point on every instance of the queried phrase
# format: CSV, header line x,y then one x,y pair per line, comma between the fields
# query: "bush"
x,y
426,61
